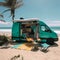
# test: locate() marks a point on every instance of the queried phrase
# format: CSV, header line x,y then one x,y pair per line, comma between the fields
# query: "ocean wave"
x,y
5,30
57,31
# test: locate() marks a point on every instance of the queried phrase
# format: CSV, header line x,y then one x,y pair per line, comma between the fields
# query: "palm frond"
x,y
2,20
1,15
3,4
6,10
11,2
18,4
11,5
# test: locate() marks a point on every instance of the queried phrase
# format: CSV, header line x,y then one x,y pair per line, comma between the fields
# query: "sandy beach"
x,y
52,54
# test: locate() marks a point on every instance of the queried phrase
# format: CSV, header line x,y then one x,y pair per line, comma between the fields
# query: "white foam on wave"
x,y
57,31
5,30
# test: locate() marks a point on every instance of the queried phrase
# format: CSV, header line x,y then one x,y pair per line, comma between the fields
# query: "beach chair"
x,y
44,46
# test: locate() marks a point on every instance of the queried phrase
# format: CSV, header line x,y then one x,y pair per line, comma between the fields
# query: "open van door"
x,y
16,31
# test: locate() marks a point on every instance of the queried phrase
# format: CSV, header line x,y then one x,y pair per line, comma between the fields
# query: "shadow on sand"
x,y
5,46
45,51
54,45
35,48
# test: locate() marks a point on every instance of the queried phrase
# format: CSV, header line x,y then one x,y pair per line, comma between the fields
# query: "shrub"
x,y
3,39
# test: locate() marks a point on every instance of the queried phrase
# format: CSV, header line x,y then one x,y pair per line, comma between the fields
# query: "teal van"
x,y
24,29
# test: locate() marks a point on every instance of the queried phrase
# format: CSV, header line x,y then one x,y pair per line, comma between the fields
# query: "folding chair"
x,y
44,46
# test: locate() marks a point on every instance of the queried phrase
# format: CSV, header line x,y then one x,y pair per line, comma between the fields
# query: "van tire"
x,y
50,41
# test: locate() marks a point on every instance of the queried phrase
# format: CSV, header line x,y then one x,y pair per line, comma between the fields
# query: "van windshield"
x,y
45,28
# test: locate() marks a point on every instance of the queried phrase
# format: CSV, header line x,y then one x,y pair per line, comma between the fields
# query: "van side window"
x,y
43,28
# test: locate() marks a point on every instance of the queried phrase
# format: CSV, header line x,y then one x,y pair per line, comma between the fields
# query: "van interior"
x,y
28,31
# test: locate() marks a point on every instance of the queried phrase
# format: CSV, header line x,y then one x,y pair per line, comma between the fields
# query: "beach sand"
x,y
52,54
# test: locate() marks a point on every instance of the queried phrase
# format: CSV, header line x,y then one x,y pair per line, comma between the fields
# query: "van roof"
x,y
23,20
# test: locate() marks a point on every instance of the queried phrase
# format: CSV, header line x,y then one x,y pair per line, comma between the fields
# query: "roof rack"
x,y
28,20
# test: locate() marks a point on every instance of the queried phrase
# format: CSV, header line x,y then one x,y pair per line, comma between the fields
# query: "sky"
x,y
45,10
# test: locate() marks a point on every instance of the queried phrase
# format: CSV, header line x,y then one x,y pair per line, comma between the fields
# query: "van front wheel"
x,y
50,41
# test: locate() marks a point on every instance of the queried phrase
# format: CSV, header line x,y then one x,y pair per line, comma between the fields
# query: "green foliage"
x,y
3,39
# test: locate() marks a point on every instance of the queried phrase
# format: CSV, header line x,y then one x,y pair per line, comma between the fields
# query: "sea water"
x,y
56,29
5,29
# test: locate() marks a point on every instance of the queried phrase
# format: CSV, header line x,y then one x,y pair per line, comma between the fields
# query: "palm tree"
x,y
11,5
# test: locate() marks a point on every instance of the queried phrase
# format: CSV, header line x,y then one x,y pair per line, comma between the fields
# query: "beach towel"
x,y
24,46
